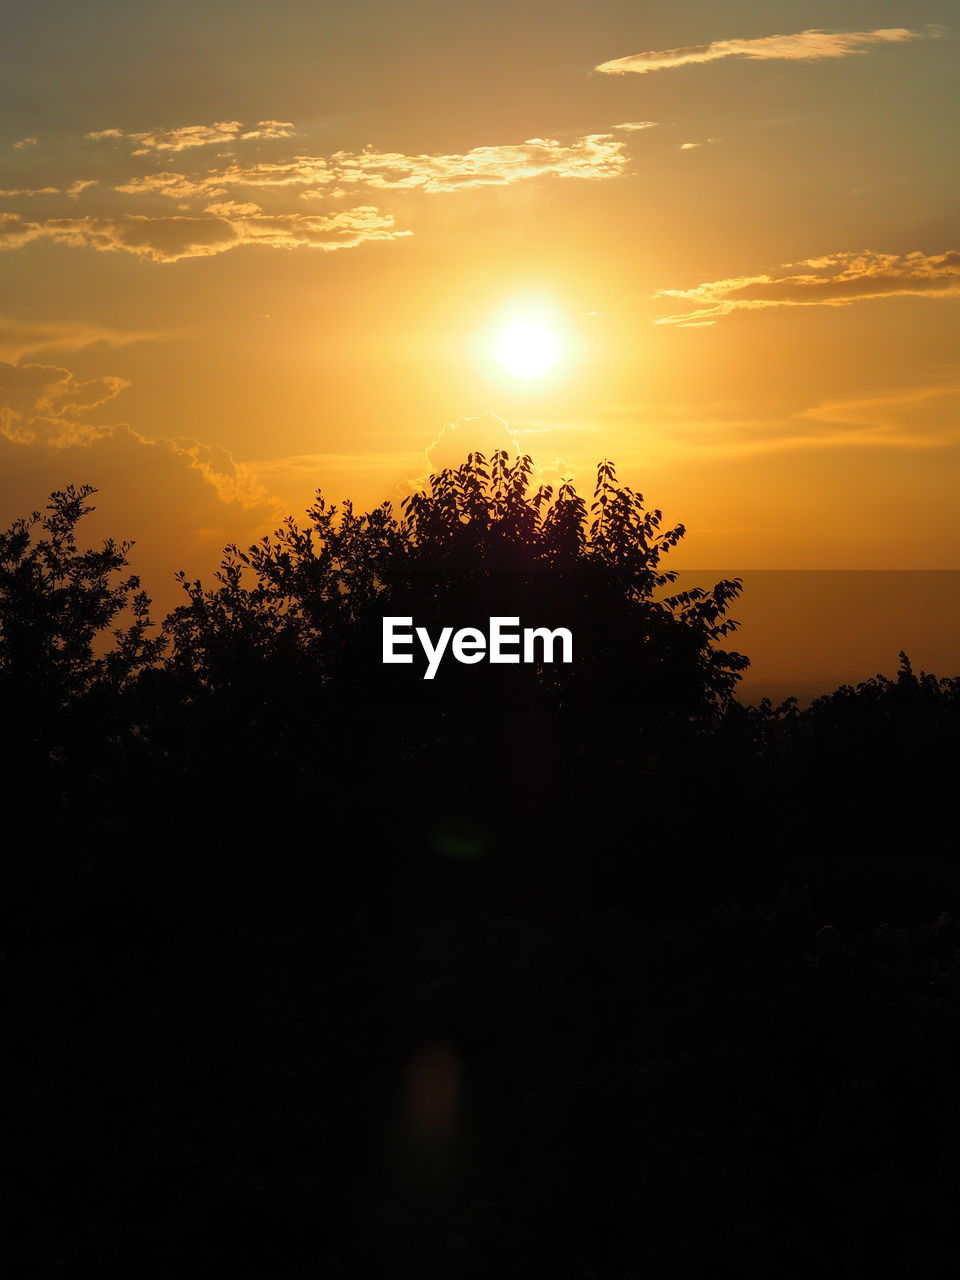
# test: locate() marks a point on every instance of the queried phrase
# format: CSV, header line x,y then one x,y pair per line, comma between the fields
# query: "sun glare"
x,y
527,348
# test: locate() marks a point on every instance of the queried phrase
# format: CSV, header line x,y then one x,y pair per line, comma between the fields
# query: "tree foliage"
x,y
56,601
75,635
477,541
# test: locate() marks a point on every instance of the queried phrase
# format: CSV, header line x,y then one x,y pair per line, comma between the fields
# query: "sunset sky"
x,y
251,249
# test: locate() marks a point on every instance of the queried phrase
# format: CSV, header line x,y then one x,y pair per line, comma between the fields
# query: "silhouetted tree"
x,y
280,661
479,541
62,648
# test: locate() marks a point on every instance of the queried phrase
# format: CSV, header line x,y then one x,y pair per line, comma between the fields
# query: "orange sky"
x,y
250,250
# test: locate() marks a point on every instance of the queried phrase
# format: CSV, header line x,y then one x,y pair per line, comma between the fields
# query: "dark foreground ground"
x,y
236,1063
586,1093
517,1003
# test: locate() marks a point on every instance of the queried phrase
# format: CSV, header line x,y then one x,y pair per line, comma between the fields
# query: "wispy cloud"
x,y
184,137
303,469
169,239
919,417
802,46
75,190
912,417
833,281
210,220
300,171
22,144
9,192
593,157
692,146
19,338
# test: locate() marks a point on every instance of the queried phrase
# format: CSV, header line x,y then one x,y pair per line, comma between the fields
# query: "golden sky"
x,y
248,250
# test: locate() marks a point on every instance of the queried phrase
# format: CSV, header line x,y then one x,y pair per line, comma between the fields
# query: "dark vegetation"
x,y
320,969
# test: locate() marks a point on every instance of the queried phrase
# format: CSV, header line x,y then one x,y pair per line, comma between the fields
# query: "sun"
x,y
529,345
527,348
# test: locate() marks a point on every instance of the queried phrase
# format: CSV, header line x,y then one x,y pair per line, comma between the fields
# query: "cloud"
x,y
183,138
222,222
311,465
802,46
634,126
73,191
149,492
180,498
30,191
233,209
917,418
169,239
371,475
233,482
48,406
19,338
191,135
176,186
44,404
800,437
310,171
22,144
593,157
832,281
914,417
485,433
268,129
